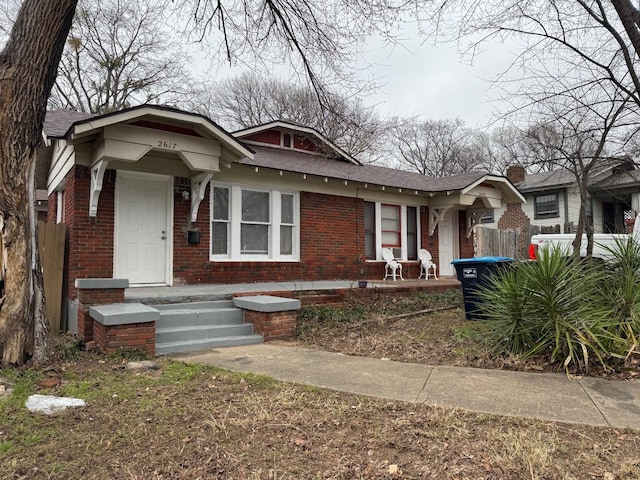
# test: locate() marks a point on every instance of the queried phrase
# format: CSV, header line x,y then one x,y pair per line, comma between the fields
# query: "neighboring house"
x,y
553,199
161,196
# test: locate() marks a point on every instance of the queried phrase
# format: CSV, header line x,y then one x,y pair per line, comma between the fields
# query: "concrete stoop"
x,y
186,327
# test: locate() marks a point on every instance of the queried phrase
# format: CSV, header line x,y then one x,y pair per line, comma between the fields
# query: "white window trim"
x,y
403,229
60,206
235,222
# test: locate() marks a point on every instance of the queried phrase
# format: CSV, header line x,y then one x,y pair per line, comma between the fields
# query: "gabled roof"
x,y
624,179
67,124
547,180
562,177
57,122
307,163
291,126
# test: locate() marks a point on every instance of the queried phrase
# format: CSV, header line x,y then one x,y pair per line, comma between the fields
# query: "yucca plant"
x,y
503,304
621,291
549,306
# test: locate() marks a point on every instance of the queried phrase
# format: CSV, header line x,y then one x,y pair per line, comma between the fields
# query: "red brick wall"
x,y
133,336
100,296
94,296
514,218
331,246
272,324
52,206
90,240
85,324
190,262
331,240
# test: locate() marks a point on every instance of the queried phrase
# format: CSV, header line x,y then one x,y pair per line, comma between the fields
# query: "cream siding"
x,y
598,218
573,207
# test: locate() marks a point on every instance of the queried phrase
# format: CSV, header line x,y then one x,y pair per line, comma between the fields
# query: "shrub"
x,y
552,306
621,291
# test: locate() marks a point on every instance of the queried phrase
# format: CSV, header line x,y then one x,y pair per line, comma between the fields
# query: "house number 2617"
x,y
168,145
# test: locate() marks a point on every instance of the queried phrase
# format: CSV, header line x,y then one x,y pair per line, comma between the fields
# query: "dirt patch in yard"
x,y
425,328
196,422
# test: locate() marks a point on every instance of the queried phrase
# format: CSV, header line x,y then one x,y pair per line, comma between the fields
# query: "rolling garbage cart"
x,y
473,273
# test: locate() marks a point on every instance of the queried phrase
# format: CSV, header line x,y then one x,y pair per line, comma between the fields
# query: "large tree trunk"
x,y
28,66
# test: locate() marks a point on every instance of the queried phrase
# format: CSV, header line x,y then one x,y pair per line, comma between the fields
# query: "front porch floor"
x,y
212,292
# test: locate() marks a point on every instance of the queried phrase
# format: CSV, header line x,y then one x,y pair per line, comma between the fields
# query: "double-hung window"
x,y
220,221
546,206
253,224
370,230
391,232
391,226
287,223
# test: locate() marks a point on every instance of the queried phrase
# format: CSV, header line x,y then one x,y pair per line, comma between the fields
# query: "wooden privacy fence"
x,y
492,242
51,245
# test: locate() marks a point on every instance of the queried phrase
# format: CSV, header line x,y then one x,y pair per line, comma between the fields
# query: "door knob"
x,y
163,237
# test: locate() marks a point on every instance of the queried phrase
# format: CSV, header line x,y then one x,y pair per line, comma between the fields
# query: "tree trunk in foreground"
x,y
28,66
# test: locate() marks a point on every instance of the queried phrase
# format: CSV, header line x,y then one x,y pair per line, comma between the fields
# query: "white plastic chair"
x,y
392,267
426,264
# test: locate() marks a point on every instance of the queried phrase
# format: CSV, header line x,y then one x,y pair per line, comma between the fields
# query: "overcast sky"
x,y
435,82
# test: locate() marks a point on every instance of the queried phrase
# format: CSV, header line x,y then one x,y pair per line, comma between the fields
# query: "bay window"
x,y
253,224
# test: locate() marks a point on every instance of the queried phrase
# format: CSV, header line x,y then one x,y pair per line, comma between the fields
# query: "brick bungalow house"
x,y
160,196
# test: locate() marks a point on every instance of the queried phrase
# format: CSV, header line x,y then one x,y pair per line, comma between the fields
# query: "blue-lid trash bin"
x,y
473,273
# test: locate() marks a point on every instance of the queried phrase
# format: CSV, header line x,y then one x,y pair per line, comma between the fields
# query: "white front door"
x,y
448,243
142,234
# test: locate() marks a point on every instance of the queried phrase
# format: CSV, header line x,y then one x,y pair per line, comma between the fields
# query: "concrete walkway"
x,y
553,397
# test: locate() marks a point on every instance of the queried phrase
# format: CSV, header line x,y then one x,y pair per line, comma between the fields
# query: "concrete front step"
x,y
185,334
195,305
193,317
202,344
184,327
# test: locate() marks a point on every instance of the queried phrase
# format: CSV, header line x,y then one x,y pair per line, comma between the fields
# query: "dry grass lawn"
x,y
195,422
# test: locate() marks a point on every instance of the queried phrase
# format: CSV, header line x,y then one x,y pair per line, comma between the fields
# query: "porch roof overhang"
x,y
123,138
206,128
486,193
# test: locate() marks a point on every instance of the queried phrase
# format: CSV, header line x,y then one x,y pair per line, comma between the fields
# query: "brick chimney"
x,y
516,174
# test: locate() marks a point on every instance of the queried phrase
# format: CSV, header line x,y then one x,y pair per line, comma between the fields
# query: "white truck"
x,y
602,242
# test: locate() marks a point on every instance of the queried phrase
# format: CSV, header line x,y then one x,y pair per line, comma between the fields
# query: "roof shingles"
x,y
300,162
58,122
